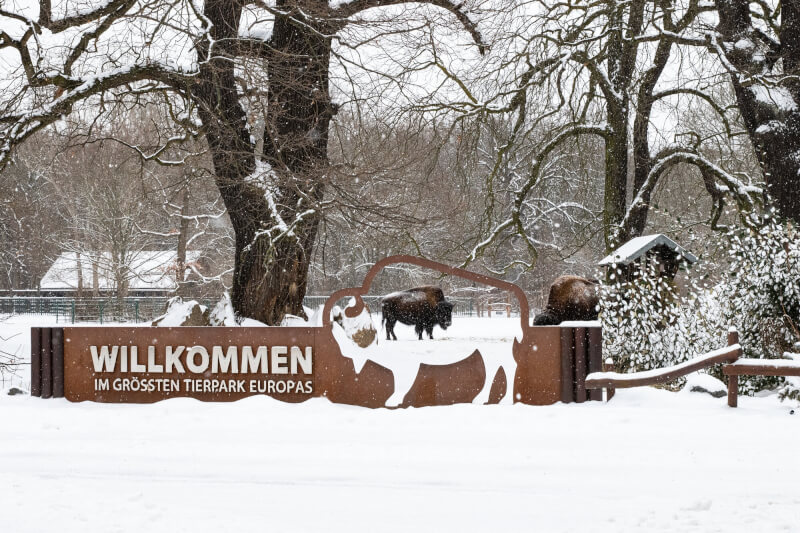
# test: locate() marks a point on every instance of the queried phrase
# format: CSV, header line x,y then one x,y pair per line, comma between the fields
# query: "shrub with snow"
x,y
762,296
648,325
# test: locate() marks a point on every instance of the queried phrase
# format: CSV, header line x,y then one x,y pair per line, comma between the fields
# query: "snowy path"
x,y
648,461
651,459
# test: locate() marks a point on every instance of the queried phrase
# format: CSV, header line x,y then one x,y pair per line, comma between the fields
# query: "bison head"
x,y
546,318
444,314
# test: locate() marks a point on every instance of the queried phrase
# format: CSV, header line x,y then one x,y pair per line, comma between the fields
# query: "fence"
x,y
102,310
461,306
141,309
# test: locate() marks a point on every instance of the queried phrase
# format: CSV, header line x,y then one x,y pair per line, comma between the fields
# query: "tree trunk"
x,y
183,238
79,267
95,277
777,144
616,178
625,19
768,94
273,207
642,162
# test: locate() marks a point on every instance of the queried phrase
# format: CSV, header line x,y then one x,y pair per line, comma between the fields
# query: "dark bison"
x,y
571,298
421,307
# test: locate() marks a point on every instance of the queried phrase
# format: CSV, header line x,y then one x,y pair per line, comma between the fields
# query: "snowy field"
x,y
649,460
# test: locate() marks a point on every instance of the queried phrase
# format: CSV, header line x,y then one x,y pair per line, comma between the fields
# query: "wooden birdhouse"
x,y
639,254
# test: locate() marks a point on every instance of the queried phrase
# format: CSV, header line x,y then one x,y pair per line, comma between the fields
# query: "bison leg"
x,y
429,329
390,329
418,330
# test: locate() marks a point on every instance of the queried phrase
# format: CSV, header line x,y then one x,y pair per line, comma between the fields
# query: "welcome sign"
x,y
147,364
129,364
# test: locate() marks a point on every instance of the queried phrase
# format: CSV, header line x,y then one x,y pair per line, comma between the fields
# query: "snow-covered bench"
x,y
756,367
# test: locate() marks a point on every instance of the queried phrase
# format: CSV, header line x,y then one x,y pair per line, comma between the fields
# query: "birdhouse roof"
x,y
639,246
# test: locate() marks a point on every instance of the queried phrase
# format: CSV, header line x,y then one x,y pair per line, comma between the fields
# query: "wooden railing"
x,y
616,380
756,367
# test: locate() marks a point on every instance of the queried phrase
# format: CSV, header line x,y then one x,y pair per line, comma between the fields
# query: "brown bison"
x,y
571,298
421,307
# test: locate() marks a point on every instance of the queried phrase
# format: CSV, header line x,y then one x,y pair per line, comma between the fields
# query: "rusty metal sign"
x,y
148,364
130,364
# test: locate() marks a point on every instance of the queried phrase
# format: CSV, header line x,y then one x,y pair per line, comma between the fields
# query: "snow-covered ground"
x,y
649,460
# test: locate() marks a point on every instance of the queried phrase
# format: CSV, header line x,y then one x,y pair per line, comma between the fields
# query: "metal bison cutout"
x,y
421,307
570,298
530,370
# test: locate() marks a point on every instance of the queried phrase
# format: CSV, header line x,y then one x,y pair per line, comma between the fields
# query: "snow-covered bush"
x,y
762,296
647,324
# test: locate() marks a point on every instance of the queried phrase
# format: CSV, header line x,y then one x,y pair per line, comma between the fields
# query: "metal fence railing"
x,y
102,310
142,309
461,306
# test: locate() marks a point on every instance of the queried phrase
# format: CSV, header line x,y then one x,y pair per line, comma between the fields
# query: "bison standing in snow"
x,y
421,307
570,298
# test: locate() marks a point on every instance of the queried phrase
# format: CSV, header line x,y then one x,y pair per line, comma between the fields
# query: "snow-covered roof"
x,y
147,270
638,246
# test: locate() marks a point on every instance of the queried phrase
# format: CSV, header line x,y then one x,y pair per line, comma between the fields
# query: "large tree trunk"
x,y
299,112
625,19
642,162
273,207
616,180
767,90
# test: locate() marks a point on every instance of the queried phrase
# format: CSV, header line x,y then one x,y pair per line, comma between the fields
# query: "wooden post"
x,y
580,364
47,363
733,381
733,337
567,365
595,359
36,362
608,366
733,391
58,362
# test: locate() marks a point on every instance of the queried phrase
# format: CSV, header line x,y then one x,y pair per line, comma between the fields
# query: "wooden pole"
x,y
608,366
58,362
595,358
580,364
567,365
733,381
47,363
36,361
733,391
733,337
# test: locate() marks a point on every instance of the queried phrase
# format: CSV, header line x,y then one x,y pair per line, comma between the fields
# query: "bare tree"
x,y
274,202
102,194
193,220
30,221
589,80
